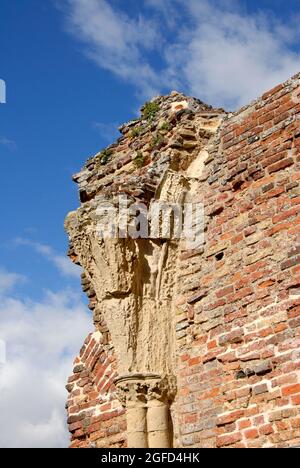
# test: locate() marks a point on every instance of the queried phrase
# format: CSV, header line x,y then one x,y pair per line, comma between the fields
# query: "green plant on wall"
x,y
139,160
150,110
105,156
165,126
136,131
157,140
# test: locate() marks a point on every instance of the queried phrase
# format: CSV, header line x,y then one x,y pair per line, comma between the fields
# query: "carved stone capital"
x,y
135,389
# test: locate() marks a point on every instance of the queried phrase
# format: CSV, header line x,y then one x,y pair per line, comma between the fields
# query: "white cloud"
x,y
212,49
61,262
9,144
38,342
65,266
9,280
115,41
108,131
42,339
228,57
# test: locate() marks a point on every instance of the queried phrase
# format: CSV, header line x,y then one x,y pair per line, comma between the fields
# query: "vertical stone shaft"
x,y
158,426
136,426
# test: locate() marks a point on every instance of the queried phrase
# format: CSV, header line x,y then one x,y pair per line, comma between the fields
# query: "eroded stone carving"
x,y
132,282
142,388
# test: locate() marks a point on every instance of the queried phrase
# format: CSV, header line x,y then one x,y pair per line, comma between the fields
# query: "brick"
x,y
228,439
251,434
275,416
258,389
244,424
263,368
266,429
237,239
290,263
291,389
235,336
75,425
75,418
273,91
295,251
230,417
224,291
197,297
286,214
78,369
295,423
296,399
194,361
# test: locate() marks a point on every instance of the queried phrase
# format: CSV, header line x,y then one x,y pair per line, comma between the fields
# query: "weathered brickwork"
x,y
235,309
240,358
93,409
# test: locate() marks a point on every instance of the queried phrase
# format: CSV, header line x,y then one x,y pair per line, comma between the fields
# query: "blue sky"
x,y
74,70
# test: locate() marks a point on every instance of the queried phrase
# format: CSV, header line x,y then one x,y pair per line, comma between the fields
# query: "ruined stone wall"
x,y
239,356
194,347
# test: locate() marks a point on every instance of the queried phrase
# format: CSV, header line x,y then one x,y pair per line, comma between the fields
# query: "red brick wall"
x,y
94,412
239,376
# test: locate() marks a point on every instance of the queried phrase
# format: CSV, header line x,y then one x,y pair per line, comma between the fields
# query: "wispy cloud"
x,y
9,280
114,40
108,131
9,144
212,49
228,57
61,262
41,339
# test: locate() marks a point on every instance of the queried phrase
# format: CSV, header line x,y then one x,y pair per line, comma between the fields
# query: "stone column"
x,y
146,398
158,429
132,392
159,425
136,427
